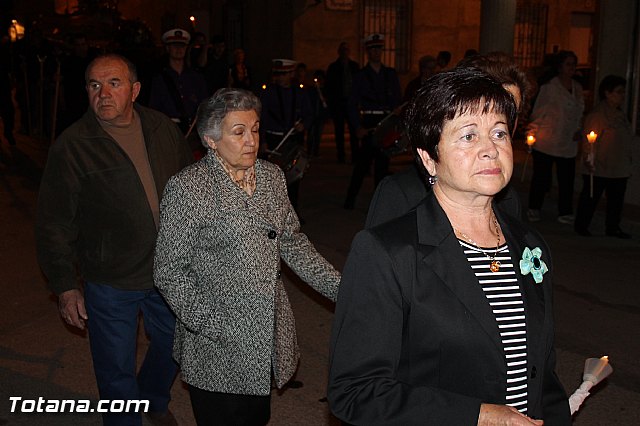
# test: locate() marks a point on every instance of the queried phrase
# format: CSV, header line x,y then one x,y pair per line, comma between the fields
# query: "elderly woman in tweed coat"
x,y
225,224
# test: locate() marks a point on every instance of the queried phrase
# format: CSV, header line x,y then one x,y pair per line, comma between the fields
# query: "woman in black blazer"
x,y
444,315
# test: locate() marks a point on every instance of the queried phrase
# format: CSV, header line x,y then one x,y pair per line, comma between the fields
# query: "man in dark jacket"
x,y
98,214
338,86
177,89
286,115
376,94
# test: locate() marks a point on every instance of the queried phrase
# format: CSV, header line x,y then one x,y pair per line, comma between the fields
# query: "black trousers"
x,y
227,409
614,189
339,117
368,153
542,177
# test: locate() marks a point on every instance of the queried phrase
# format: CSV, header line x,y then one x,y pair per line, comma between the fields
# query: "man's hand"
x,y
71,307
503,415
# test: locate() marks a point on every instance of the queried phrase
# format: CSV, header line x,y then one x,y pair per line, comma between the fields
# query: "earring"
x,y
432,180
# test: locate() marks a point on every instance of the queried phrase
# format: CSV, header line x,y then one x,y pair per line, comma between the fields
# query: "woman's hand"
x,y
503,415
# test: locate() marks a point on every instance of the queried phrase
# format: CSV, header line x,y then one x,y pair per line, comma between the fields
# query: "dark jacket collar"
x,y
441,249
90,128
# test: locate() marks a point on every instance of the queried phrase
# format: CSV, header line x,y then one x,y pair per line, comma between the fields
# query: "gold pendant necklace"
x,y
494,264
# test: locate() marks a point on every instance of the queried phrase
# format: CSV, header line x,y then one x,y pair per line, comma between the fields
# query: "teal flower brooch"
x,y
531,263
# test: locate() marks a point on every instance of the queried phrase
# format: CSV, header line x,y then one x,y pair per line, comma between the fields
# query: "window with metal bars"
x,y
392,19
530,33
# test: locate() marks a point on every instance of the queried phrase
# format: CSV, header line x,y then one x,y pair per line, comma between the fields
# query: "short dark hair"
x,y
212,111
503,68
562,56
426,62
447,95
133,72
444,57
608,84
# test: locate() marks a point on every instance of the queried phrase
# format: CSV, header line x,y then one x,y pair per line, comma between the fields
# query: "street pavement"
x,y
597,302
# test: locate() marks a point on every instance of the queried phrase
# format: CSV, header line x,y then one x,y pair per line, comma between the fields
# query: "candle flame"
x,y
531,140
192,18
605,358
592,136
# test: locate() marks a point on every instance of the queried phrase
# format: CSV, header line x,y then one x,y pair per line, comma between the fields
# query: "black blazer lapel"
x,y
442,252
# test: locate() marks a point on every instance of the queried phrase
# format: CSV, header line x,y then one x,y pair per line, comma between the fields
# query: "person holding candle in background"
x,y
606,164
555,124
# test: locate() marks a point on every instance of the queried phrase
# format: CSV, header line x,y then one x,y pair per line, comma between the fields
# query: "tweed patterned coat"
x,y
217,264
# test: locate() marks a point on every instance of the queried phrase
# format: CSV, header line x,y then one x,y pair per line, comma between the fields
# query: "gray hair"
x,y
212,111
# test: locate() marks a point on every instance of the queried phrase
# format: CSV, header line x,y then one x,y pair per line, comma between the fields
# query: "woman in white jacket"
x,y
555,123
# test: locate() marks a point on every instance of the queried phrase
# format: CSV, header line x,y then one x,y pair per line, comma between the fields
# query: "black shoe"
x,y
618,233
584,232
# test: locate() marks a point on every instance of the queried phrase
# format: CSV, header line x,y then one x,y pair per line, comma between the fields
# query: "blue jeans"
x,y
113,329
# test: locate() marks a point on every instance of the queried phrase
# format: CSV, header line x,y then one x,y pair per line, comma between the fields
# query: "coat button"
x,y
272,234
278,274
534,371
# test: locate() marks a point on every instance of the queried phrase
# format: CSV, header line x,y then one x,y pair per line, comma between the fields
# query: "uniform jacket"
x,y
414,340
92,207
283,106
218,266
374,91
556,117
401,192
614,146
190,85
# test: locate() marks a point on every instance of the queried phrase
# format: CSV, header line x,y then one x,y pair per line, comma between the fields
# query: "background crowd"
x,y
46,79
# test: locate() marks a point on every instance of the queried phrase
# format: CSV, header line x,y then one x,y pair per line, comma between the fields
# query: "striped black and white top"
x,y
504,296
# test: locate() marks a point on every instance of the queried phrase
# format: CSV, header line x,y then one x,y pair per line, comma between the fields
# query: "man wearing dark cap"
x,y
285,108
376,93
177,90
